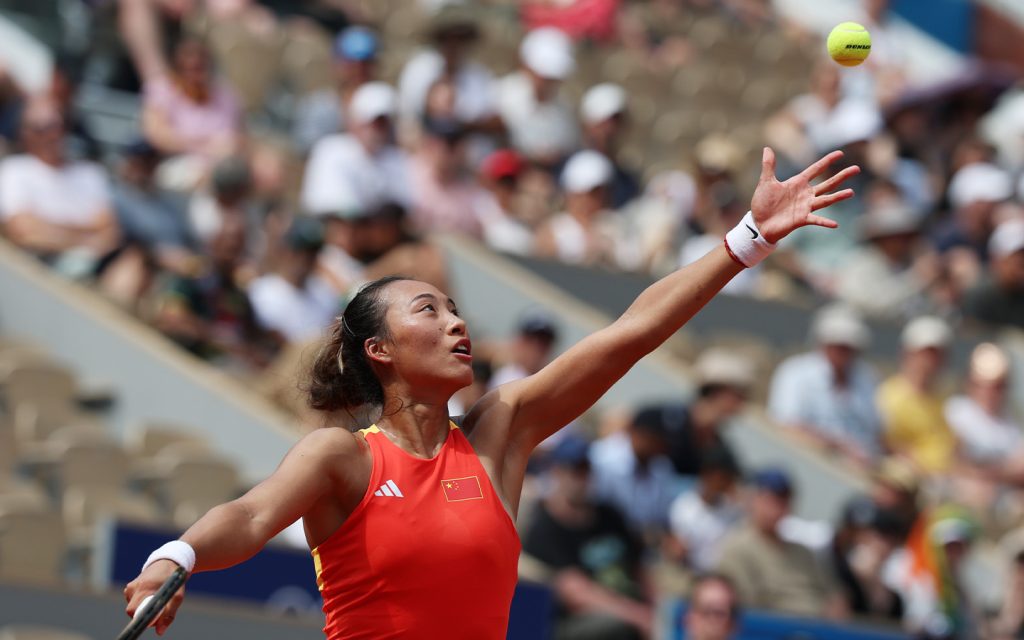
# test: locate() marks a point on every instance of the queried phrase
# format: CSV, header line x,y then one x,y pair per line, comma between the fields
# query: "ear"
x,y
377,350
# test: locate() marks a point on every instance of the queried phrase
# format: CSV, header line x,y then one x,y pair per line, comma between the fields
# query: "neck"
x,y
418,426
918,379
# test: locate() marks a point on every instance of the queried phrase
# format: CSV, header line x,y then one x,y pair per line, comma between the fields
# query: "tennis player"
x,y
411,521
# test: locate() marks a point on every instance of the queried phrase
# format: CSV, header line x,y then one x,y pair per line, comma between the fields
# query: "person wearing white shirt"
x,y
49,204
701,518
829,394
361,169
540,121
988,437
631,471
452,33
291,300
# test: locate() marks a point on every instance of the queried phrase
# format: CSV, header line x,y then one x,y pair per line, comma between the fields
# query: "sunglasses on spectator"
x,y
49,126
718,613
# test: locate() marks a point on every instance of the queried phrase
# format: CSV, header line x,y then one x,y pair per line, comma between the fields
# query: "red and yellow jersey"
x,y
429,552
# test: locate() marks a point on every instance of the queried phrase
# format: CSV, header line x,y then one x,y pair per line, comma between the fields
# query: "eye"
x,y
428,306
455,311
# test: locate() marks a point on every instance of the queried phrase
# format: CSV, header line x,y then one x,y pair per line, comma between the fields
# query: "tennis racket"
x,y
140,623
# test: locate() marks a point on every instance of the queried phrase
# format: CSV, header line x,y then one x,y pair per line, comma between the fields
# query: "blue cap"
x,y
773,480
572,450
356,43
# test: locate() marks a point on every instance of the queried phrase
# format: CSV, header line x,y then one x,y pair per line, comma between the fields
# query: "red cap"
x,y
503,163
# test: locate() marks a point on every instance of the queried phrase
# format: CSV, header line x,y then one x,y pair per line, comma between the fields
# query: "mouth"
x,y
463,350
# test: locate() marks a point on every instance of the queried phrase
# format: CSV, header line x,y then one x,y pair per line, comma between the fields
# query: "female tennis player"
x,y
410,521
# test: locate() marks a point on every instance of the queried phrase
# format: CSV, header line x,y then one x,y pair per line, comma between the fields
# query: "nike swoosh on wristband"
x,y
752,230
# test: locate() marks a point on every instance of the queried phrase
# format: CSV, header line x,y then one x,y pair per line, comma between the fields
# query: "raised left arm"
x,y
543,403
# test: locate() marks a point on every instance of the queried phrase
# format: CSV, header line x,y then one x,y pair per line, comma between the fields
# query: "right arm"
x,y
235,531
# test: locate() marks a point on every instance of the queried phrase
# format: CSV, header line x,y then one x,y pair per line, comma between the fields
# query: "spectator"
x,y
998,299
769,572
586,232
863,542
795,130
292,300
361,169
188,111
660,215
151,218
990,440
929,574
50,204
975,192
714,609
910,403
632,473
445,197
230,198
605,119
81,142
539,119
503,227
895,489
386,247
452,32
530,350
695,431
344,236
828,395
597,576
322,113
1009,622
700,519
889,276
209,313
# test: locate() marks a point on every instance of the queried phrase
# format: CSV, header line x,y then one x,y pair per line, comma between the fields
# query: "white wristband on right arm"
x,y
745,243
178,552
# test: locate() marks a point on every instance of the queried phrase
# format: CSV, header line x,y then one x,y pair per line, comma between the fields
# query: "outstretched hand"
x,y
781,207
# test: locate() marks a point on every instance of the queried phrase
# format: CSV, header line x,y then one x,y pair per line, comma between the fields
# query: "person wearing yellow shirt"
x,y
911,403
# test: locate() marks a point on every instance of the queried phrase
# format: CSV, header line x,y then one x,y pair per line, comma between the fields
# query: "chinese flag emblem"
x,y
459,489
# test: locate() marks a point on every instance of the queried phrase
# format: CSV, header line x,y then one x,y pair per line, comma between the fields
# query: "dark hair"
x,y
341,376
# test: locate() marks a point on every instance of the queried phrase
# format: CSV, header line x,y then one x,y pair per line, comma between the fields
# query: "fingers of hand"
x,y
816,169
169,612
821,221
820,202
767,164
836,180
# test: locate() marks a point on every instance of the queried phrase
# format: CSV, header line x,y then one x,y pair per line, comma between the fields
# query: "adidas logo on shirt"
x,y
389,489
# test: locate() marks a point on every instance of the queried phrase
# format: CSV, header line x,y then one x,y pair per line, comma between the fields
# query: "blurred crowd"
x,y
278,164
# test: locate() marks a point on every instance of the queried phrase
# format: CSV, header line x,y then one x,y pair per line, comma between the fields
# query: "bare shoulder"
x,y
331,445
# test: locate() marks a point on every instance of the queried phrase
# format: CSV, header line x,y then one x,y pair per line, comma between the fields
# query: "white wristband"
x,y
177,551
746,244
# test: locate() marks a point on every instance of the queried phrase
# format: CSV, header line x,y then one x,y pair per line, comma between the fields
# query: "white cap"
x,y
585,171
839,324
890,220
602,101
721,366
371,101
1007,239
979,182
926,332
851,121
547,51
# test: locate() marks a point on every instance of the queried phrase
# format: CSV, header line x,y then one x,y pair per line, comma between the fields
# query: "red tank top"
x,y
429,552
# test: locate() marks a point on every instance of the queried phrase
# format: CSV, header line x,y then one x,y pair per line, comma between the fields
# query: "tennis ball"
x,y
849,44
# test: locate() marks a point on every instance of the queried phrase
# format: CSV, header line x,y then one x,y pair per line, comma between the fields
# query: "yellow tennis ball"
x,y
849,44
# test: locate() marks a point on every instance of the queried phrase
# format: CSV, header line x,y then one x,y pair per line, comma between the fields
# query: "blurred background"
x,y
191,189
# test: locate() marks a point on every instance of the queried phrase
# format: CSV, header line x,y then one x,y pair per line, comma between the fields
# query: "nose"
x,y
458,326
